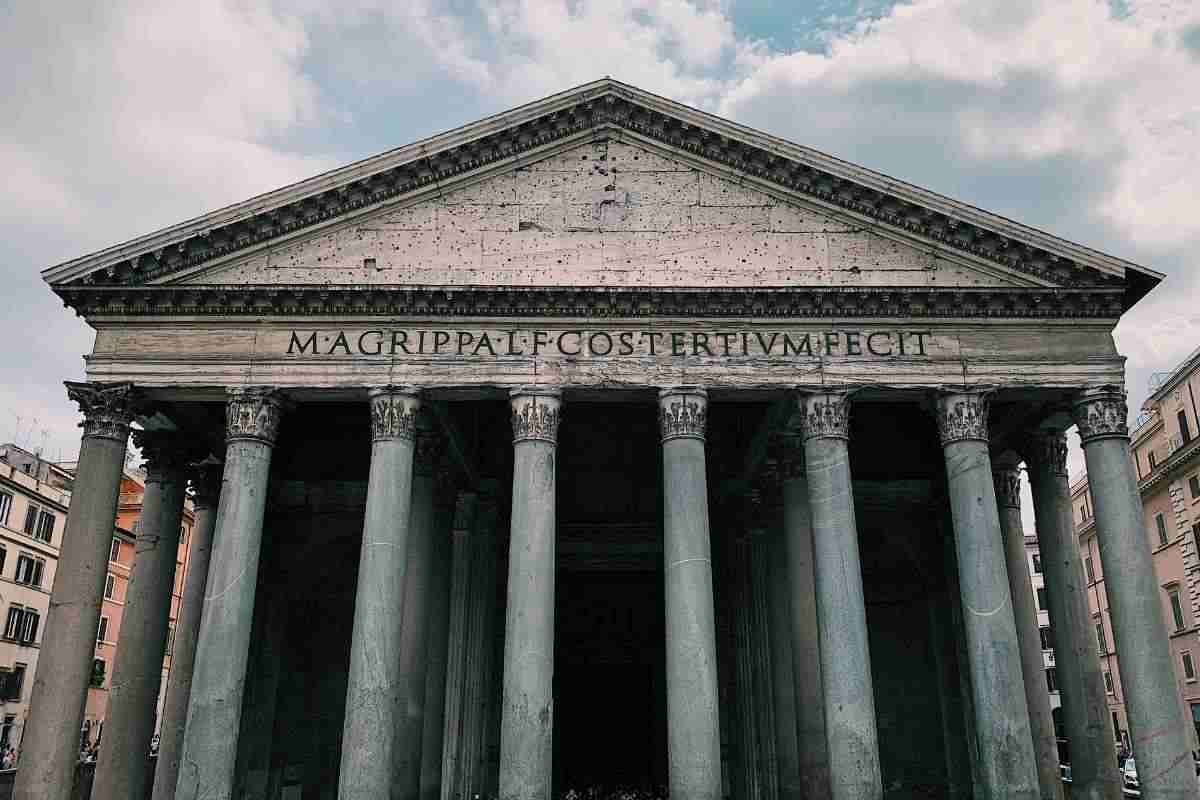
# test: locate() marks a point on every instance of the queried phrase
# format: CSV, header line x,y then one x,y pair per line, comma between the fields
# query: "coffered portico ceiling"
x,y
355,240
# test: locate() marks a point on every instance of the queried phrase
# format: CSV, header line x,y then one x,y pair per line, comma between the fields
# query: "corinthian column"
x,y
1007,767
137,674
693,724
1080,680
207,486
1006,475
1160,741
50,746
424,519
813,750
851,735
527,730
210,741
368,733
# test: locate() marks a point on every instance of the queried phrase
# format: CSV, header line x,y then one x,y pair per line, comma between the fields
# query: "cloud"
x,y
131,115
126,117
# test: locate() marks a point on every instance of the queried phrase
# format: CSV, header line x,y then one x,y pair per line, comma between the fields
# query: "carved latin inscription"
x,y
591,343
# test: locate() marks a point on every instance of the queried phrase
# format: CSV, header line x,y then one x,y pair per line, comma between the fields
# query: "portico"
x,y
606,440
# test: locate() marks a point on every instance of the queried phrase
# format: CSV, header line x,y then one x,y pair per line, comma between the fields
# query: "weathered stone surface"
x,y
603,213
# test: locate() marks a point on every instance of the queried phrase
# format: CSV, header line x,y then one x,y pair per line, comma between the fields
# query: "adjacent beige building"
x,y
1166,452
34,495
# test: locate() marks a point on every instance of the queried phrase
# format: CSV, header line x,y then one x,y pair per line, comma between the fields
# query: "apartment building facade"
x,y
34,496
1033,563
1166,451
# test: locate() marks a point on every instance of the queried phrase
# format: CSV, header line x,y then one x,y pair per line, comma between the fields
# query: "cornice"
x,y
504,301
1179,462
598,109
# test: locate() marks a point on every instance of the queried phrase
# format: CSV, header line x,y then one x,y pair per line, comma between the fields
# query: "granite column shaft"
x,y
50,747
783,681
210,743
693,724
1161,743
137,674
369,729
813,750
1080,678
1007,766
527,711
1007,478
433,737
413,654
851,734
207,485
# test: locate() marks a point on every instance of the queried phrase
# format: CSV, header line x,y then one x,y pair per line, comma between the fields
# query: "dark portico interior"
x,y
609,688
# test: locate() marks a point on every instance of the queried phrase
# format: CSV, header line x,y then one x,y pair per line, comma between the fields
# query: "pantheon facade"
x,y
603,441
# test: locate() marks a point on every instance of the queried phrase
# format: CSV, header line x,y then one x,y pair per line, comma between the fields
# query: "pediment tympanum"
x,y
607,213
603,189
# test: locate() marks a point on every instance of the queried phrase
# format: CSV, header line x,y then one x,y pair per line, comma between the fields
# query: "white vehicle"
x,y
1129,777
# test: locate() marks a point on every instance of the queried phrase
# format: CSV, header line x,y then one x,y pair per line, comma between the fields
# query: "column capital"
x,y
253,414
824,415
107,408
1046,449
682,412
394,412
1006,474
206,484
963,416
167,453
535,414
1101,413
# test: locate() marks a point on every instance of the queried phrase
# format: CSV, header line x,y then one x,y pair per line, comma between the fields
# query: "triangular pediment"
x,y
602,186
605,213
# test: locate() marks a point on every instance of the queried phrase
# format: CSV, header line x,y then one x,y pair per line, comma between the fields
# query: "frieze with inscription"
x,y
602,343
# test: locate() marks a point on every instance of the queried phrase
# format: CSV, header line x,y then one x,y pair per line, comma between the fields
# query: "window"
x,y
45,527
29,570
1189,669
102,632
110,586
1176,609
6,729
3,557
137,523
1195,538
22,624
39,523
15,621
1193,484
1151,459
1037,562
5,507
170,639
1160,524
1185,432
1047,638
114,553
1117,727
1108,683
15,682
1100,640
29,631
1082,513
1041,598
98,670
1089,568
1052,679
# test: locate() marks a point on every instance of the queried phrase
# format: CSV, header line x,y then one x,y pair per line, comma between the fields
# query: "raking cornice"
x,y
595,109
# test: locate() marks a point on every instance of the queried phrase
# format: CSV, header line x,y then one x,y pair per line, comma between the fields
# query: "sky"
x,y
1080,117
